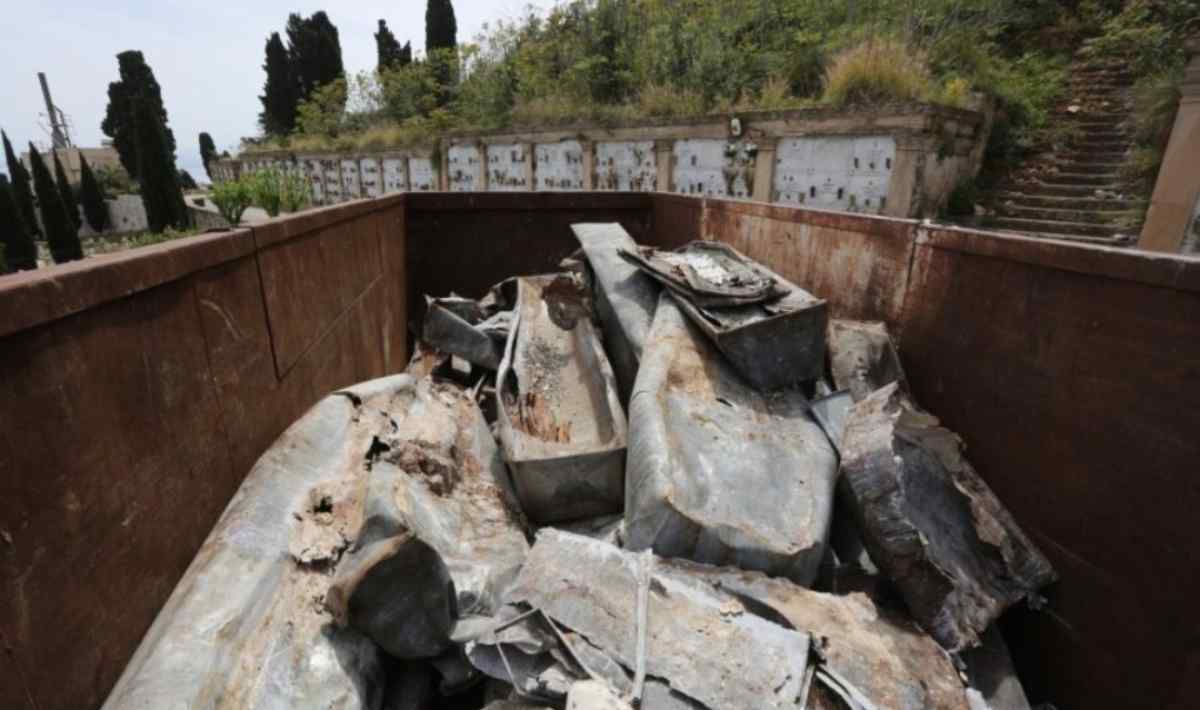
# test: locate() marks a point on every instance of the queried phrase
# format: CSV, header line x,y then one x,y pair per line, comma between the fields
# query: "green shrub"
x,y
266,190
1146,36
232,198
294,193
1155,102
962,199
661,101
877,71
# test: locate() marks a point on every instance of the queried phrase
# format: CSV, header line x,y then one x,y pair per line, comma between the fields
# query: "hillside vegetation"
x,y
616,61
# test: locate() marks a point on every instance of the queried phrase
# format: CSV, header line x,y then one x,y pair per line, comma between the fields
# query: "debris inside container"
x,y
930,522
770,330
561,425
740,505
717,471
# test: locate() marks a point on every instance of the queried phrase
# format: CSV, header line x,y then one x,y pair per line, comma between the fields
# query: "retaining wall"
x,y
137,389
899,160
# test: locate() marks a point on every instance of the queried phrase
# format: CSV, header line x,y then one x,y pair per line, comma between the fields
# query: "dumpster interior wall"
x,y
1070,371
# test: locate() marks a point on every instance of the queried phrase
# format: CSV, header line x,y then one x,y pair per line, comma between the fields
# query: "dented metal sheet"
x,y
629,166
560,421
718,472
395,175
930,522
436,471
775,340
508,167
702,643
465,163
862,358
244,627
878,650
829,172
448,332
991,674
559,166
625,298
422,175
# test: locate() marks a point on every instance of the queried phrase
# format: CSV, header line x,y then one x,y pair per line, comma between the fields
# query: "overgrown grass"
x,y
1155,103
878,71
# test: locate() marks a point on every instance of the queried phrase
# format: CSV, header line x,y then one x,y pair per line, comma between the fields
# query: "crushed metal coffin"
x,y
771,330
930,522
702,643
561,424
719,472
625,297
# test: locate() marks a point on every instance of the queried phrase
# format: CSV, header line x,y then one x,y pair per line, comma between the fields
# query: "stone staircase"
x,y
1076,192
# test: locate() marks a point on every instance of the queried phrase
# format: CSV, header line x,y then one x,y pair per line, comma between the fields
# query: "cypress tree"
x,y
158,177
315,52
441,45
186,181
280,91
441,29
21,188
390,54
91,196
60,230
208,152
137,79
20,252
68,194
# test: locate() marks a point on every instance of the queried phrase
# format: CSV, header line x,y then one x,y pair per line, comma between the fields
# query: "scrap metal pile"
x,y
666,479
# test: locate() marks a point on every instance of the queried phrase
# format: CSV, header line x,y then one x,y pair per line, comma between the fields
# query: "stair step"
x,y
1059,227
1116,145
1105,134
1055,189
1123,241
1098,179
1072,166
1121,218
1093,157
1068,202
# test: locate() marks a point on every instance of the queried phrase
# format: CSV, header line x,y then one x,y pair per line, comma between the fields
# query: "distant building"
x,y
97,158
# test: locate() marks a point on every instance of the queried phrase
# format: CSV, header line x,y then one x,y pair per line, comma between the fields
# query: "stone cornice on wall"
x,y
903,118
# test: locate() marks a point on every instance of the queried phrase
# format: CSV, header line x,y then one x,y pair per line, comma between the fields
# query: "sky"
x,y
207,57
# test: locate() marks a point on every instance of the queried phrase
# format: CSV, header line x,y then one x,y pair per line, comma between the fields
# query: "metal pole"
x,y
58,133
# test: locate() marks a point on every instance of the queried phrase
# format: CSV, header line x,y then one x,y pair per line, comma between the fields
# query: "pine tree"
x,y
158,177
91,196
390,54
68,193
208,152
315,52
60,230
20,251
137,79
441,29
280,91
21,188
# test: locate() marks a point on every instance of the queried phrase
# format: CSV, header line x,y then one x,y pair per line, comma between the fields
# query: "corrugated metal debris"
x,y
774,524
